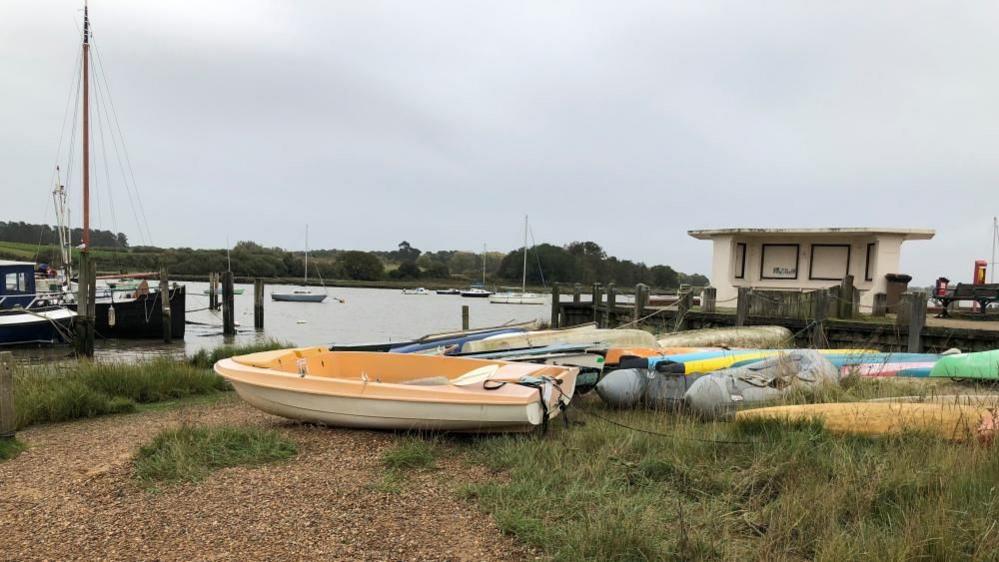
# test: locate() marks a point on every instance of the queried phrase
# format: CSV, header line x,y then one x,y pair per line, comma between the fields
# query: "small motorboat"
x,y
476,293
400,391
448,292
27,317
416,291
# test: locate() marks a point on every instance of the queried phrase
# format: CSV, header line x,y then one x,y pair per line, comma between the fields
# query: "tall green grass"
x,y
191,453
55,393
726,491
206,359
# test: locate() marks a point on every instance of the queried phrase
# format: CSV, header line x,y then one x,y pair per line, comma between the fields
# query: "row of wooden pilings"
x,y
222,284
826,305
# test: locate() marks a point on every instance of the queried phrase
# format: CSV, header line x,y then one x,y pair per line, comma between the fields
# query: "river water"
x,y
365,315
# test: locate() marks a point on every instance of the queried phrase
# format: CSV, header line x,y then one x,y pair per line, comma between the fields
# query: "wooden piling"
x,y
213,290
258,304
845,304
880,307
820,311
611,304
709,296
597,297
556,303
86,309
165,306
641,301
8,419
228,305
577,291
742,306
464,317
683,303
917,320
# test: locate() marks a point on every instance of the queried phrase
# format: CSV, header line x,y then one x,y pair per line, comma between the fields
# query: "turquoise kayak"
x,y
983,365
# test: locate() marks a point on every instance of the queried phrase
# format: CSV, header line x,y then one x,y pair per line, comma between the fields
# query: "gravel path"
x,y
71,496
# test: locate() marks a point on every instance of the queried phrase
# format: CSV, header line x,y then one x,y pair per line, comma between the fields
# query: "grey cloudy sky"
x,y
442,123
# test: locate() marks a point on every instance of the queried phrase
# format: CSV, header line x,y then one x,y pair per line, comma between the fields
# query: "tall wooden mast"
x,y
86,130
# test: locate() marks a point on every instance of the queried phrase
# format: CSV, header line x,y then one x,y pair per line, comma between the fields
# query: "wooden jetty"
x,y
828,317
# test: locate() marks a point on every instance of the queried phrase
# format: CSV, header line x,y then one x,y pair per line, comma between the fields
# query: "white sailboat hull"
x,y
517,298
298,297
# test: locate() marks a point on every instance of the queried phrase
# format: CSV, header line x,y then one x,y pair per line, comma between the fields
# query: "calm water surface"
x,y
366,315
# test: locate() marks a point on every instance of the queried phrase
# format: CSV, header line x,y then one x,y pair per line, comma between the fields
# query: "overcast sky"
x,y
442,123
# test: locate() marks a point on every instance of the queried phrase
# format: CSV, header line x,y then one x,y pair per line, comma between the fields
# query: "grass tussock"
x,y
726,491
56,393
206,359
10,448
411,453
189,454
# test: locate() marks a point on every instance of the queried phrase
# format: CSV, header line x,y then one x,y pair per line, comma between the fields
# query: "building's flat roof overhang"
x,y
906,233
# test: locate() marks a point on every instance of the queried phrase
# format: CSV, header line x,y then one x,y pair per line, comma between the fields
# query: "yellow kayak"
x,y
956,422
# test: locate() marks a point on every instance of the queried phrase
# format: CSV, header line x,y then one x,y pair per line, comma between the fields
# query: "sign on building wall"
x,y
779,261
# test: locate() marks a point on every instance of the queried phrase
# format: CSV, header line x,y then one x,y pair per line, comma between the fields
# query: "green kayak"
x,y
981,365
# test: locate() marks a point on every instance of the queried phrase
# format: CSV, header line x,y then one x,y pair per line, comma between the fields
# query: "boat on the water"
x,y
448,292
476,293
522,296
514,297
27,317
416,291
303,293
299,295
400,391
235,291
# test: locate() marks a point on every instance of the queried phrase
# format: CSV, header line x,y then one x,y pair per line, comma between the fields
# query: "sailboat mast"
x,y
86,130
483,266
523,282
306,282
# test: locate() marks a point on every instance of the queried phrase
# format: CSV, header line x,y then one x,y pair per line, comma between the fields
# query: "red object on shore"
x,y
941,287
979,278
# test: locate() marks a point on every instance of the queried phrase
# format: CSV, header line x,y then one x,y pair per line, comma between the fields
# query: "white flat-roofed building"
x,y
805,258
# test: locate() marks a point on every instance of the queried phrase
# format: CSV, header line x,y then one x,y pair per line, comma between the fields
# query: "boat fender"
x,y
112,319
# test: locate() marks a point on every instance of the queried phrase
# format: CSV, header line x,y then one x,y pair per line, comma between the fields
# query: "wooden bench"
x,y
984,295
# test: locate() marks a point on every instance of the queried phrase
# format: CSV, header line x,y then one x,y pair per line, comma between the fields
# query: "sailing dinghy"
x,y
400,391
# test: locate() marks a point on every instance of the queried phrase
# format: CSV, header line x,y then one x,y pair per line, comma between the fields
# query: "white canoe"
x,y
588,335
400,391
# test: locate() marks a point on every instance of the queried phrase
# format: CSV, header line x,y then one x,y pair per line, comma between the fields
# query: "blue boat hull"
x,y
28,329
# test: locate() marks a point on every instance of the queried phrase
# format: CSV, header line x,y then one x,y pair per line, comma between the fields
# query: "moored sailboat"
x,y
522,297
303,293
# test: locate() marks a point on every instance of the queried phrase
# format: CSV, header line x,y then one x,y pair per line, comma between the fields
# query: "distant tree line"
x,y
578,262
26,233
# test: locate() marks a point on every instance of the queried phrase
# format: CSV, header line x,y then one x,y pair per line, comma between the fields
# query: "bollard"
x,y
258,304
742,306
709,296
917,320
845,303
8,419
597,297
165,306
228,304
686,298
556,304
